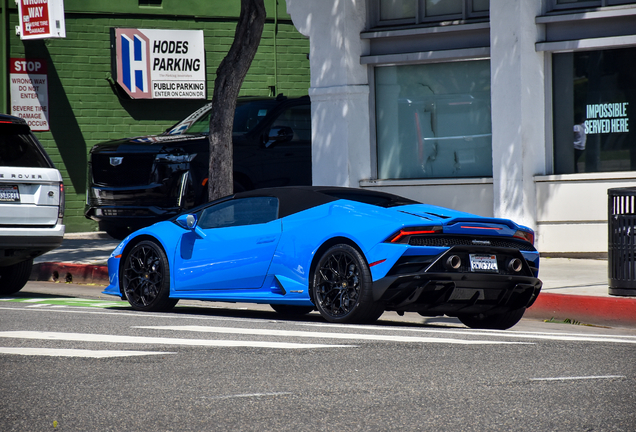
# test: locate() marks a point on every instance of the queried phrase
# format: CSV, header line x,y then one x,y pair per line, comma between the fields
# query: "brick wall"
x,y
85,107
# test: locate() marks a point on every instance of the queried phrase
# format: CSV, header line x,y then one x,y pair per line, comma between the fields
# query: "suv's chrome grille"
x,y
133,170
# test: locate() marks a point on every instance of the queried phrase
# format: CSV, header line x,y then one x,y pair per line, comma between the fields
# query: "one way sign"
x,y
41,19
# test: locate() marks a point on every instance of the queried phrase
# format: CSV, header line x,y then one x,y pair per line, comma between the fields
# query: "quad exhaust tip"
x,y
453,262
515,265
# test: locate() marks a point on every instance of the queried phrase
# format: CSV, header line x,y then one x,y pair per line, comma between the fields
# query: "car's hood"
x,y
148,143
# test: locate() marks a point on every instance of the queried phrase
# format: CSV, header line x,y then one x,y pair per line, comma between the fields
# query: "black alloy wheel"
x,y
342,287
145,278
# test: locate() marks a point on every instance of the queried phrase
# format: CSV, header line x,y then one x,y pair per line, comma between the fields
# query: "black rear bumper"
x,y
17,249
435,290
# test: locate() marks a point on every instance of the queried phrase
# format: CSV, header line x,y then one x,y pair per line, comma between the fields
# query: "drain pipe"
x,y
275,48
4,54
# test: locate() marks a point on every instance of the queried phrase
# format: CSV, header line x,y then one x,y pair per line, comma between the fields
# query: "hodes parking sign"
x,y
160,64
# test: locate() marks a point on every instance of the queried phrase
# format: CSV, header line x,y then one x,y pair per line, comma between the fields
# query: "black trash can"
x,y
622,241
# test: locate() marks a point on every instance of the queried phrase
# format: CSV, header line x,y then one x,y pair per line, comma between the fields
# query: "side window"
x,y
298,118
244,211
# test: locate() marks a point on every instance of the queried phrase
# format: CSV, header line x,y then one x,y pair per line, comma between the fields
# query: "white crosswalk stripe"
x,y
507,334
58,352
87,337
262,334
331,335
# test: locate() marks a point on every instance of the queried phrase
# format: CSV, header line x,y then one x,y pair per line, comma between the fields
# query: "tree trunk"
x,y
229,78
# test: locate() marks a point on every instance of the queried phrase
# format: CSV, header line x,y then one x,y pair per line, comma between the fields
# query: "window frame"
x,y
374,123
421,18
553,5
553,150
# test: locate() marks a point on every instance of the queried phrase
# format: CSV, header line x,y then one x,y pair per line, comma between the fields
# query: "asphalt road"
x,y
77,360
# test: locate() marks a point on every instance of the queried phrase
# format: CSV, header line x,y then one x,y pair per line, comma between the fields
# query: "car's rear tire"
x,y
14,277
145,278
502,321
290,310
341,287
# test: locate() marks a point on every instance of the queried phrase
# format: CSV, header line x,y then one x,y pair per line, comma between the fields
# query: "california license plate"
x,y
483,263
9,194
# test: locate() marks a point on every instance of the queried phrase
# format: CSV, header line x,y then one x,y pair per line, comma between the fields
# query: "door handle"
x,y
268,239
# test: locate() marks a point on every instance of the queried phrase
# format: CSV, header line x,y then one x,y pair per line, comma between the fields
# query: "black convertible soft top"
x,y
294,199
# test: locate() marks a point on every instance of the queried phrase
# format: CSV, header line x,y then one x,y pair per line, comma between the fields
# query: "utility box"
x,y
622,241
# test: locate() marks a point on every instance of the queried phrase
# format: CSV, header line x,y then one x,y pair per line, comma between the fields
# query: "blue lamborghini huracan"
x,y
349,253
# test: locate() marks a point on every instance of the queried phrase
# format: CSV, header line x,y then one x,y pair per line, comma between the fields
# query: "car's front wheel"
x,y
341,287
146,278
14,277
502,321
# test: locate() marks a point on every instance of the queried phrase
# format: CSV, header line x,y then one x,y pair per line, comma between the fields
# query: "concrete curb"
x,y
616,311
70,273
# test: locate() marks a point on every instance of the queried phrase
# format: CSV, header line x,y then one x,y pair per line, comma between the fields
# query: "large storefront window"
x,y
594,107
433,120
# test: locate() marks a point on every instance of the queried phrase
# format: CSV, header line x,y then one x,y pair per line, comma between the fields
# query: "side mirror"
x,y
278,135
189,222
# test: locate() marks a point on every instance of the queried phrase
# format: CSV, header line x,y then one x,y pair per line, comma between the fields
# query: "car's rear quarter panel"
x,y
364,225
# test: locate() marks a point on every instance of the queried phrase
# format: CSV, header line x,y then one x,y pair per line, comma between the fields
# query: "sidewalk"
x,y
573,289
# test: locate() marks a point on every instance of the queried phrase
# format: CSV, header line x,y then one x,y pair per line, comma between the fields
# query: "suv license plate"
x,y
9,194
483,263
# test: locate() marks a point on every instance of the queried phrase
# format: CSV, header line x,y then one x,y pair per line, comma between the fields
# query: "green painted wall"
x,y
84,105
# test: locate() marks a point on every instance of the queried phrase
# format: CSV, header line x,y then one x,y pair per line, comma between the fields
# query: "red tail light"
x,y
402,236
62,203
525,235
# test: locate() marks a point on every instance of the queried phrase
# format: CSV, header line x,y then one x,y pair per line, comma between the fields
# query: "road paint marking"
x,y
579,378
575,337
494,333
86,337
56,352
325,335
248,395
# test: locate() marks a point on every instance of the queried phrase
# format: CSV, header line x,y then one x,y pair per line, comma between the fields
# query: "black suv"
x,y
31,203
135,182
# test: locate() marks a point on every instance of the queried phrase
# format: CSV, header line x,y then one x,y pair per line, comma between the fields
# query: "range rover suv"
x,y
135,182
31,203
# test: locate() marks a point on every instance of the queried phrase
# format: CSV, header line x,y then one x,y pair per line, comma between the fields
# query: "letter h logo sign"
x,y
133,62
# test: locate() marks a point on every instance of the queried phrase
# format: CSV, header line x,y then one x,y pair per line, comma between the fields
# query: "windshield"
x,y
246,117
